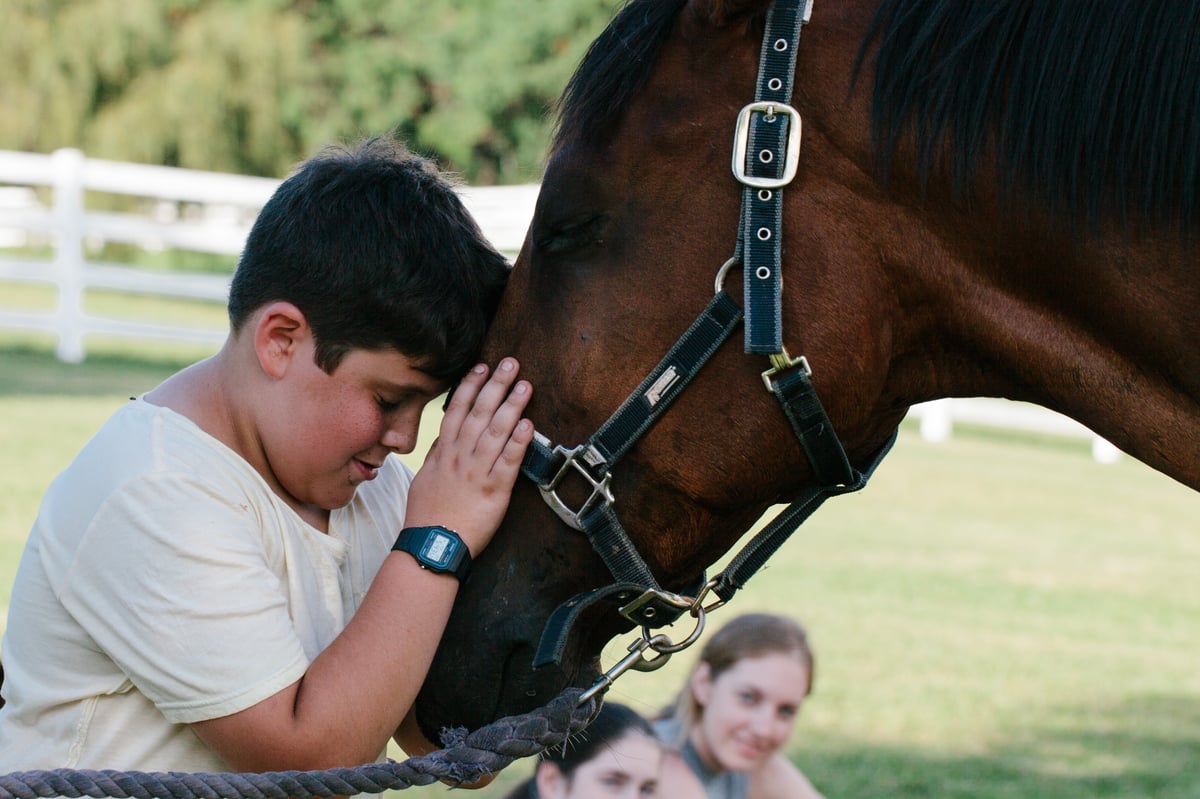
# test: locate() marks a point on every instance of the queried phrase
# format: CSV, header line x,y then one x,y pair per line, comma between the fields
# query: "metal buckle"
x,y
741,141
655,608
698,606
637,659
781,362
600,488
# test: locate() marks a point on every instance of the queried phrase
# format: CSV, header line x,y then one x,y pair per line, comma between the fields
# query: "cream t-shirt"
x,y
164,583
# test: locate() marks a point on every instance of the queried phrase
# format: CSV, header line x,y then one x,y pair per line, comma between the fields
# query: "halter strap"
x,y
765,156
766,153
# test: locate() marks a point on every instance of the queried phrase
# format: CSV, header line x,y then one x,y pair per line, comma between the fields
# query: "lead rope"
x,y
466,758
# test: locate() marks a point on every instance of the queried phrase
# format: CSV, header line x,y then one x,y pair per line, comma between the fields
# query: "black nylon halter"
x,y
766,151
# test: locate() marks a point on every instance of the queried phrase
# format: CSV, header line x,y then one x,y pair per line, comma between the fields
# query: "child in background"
x,y
615,757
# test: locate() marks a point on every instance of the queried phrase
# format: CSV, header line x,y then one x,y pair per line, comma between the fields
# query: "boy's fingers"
x,y
487,402
503,424
513,453
462,400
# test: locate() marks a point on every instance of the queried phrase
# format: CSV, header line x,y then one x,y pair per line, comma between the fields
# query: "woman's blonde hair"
x,y
746,636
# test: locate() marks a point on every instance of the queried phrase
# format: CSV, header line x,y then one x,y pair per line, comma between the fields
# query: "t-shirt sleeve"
x,y
173,583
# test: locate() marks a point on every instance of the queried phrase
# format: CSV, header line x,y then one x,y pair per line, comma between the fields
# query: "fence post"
x,y
68,252
937,420
1104,452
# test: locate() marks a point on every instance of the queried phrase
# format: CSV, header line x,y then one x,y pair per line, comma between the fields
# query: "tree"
x,y
254,86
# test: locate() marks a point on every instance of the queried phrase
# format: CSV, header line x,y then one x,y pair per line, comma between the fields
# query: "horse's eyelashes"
x,y
569,234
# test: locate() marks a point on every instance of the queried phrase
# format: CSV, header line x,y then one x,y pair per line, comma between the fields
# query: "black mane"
x,y
1089,107
1092,107
615,66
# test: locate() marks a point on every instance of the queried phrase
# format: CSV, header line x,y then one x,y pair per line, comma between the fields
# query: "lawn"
x,y
994,616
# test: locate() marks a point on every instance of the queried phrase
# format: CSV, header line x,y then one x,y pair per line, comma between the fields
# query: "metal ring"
x,y
774,84
762,273
766,156
781,45
663,645
719,284
765,195
764,234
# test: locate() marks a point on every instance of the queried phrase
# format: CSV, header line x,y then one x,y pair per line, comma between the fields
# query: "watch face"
x,y
439,548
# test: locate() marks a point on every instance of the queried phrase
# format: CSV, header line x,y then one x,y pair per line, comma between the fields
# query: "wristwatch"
x,y
436,548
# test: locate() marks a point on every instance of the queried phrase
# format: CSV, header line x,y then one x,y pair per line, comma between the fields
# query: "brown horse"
x,y
993,199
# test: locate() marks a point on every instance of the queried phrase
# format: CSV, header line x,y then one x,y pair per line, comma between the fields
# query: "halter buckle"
x,y
781,362
601,490
636,660
655,608
741,142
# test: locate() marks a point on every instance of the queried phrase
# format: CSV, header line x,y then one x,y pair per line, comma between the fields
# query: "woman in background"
x,y
738,708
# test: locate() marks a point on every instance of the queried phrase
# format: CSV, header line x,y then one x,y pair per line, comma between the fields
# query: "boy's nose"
x,y
400,438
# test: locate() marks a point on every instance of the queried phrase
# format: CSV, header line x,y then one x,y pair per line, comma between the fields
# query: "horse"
x,y
990,199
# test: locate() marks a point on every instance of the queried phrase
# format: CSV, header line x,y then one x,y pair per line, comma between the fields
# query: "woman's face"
x,y
748,711
627,768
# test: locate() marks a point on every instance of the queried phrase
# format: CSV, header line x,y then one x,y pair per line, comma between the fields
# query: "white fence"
x,y
182,209
179,209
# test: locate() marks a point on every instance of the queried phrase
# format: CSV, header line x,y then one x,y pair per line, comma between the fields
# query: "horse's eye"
x,y
569,234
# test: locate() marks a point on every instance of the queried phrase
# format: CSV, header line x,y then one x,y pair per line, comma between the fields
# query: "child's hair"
x,y
377,251
746,636
611,723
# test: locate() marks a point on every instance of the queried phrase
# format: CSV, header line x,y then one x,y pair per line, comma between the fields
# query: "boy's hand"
x,y
468,475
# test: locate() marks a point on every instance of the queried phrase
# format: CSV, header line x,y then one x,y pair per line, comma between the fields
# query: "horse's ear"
x,y
722,12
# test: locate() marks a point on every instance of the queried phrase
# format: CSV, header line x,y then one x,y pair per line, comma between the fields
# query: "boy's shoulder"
x,y
143,443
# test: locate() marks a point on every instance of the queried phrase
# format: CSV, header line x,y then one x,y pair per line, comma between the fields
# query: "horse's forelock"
x,y
615,66
722,12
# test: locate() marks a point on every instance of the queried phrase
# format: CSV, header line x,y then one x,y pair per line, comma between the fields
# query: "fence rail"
x,y
178,209
189,210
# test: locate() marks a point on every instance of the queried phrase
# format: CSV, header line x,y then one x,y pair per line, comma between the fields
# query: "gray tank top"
x,y
717,784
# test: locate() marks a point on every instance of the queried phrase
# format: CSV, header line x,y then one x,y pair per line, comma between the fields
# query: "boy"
x,y
194,593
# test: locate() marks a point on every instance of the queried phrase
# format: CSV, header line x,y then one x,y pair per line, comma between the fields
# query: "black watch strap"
x,y
436,548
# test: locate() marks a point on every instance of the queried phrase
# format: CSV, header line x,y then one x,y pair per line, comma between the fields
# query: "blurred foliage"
x,y
253,86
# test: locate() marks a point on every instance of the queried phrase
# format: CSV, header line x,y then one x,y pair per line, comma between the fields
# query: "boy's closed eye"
x,y
387,405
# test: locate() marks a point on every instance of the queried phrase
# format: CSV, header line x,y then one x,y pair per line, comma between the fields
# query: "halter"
x,y
766,152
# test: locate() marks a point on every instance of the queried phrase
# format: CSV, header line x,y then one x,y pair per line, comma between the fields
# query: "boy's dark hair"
x,y
376,249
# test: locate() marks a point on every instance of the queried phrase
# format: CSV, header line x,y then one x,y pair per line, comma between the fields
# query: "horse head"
x,y
618,262
893,293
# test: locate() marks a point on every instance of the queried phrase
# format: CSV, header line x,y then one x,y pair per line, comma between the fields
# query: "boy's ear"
x,y
279,334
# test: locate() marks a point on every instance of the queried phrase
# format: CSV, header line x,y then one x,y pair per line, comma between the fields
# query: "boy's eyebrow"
x,y
433,387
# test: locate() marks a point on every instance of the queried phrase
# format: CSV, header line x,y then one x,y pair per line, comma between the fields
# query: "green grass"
x,y
994,616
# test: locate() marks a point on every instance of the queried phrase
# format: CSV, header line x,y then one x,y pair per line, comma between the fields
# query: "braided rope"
x,y
466,758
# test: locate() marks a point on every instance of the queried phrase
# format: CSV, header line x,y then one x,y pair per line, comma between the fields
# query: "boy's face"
x,y
334,430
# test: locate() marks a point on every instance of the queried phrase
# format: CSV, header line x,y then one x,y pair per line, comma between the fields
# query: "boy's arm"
x,y
355,694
